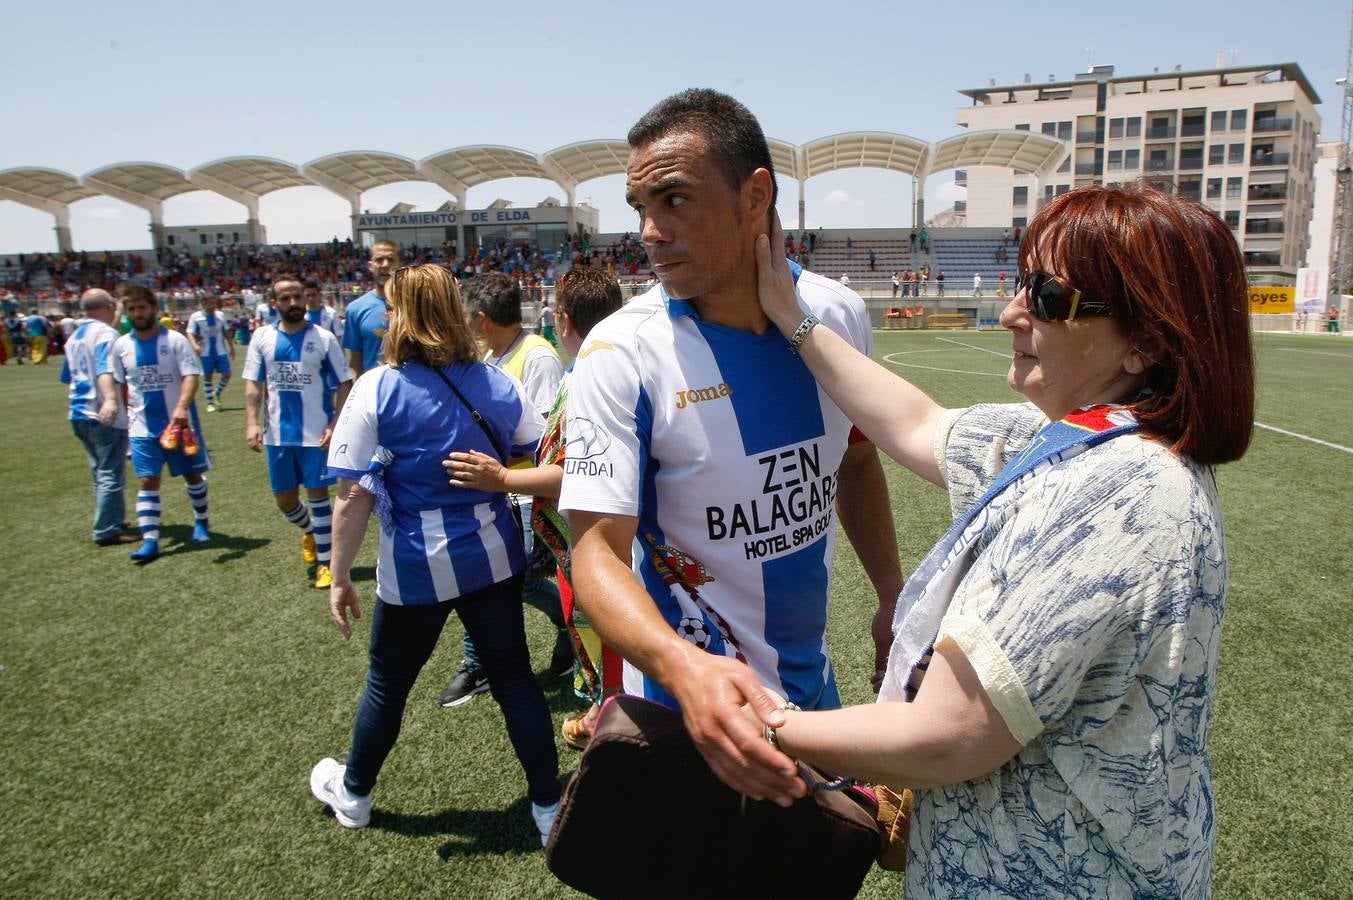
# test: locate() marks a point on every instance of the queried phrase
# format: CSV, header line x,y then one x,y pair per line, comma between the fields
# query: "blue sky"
x,y
103,83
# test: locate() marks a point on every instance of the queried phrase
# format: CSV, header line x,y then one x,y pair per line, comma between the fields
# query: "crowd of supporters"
x,y
340,266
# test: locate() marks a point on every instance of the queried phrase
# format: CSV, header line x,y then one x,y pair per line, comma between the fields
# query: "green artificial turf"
x,y
157,725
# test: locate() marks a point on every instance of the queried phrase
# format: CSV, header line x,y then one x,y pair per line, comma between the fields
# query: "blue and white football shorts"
x,y
149,458
290,467
219,362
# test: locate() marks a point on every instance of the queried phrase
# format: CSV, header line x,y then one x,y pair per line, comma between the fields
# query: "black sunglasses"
x,y
1051,301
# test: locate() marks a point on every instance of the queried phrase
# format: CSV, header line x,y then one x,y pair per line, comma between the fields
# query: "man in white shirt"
x,y
291,364
706,468
96,413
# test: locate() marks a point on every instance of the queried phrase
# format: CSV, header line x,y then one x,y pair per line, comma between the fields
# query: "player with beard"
x,y
160,372
290,364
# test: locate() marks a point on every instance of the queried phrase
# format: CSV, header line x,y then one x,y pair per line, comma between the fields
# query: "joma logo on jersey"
x,y
700,395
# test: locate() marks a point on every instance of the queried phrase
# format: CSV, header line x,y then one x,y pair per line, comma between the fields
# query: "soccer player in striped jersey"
x,y
326,317
209,333
289,365
160,372
317,313
706,469
96,413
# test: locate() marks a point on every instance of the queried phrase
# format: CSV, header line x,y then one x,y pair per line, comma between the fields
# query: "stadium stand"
x,y
961,252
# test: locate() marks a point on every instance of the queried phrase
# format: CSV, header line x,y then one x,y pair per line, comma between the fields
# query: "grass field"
x,y
157,725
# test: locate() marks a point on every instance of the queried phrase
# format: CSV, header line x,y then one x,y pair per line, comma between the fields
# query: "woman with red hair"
x,y
1051,680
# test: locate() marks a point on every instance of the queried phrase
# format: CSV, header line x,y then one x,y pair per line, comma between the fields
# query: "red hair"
x,y
1175,279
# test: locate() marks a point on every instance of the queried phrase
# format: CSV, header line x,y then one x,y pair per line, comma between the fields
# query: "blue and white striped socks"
x,y
298,516
322,519
209,389
197,496
148,514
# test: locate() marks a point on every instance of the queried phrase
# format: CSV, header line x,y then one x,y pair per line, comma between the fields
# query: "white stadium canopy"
x,y
245,179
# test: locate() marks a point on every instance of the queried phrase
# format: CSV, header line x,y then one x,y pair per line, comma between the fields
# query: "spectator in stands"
x,y
845,279
1050,686
939,283
977,284
897,282
1000,285
872,259
911,239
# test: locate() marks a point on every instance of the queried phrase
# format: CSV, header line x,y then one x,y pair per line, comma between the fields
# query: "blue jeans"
x,y
542,593
106,448
402,640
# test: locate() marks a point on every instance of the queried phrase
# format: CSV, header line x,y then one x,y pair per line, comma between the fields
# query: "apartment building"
x,y
1241,140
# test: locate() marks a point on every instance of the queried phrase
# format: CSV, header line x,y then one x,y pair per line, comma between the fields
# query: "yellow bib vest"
x,y
514,364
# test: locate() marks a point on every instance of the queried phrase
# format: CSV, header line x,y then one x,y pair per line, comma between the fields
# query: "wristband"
x,y
801,333
769,733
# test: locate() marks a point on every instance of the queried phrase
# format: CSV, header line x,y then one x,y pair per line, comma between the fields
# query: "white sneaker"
x,y
326,783
544,816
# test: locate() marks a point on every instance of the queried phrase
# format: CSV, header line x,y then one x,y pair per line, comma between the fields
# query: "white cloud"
x,y
837,197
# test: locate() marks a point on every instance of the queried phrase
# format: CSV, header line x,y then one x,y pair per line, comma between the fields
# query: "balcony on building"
x,y
1191,160
1270,124
1160,133
1268,191
1264,226
1259,158
1085,168
1160,165
1193,126
1090,137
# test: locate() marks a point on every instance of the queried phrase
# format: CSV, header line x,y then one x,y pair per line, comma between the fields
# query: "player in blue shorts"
x,y
210,335
289,366
160,372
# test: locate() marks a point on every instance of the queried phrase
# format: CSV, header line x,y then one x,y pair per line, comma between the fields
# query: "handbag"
x,y
645,816
497,449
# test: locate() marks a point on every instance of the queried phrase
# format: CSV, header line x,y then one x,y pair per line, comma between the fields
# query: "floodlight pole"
x,y
1338,283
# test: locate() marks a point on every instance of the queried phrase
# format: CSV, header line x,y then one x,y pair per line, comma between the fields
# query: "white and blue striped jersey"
x,y
210,330
153,371
445,541
294,368
267,314
325,317
726,450
88,354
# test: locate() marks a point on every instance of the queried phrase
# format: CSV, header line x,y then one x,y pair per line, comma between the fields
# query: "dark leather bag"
x,y
644,816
